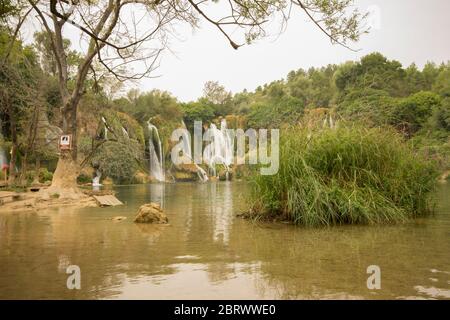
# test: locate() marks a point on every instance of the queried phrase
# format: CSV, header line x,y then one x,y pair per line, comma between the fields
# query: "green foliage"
x,y
433,147
118,161
342,176
315,88
440,120
84,178
118,120
132,127
160,107
147,105
410,114
369,105
441,85
43,46
275,113
43,176
197,111
6,9
374,71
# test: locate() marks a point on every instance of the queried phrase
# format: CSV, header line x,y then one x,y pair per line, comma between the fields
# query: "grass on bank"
x,y
347,175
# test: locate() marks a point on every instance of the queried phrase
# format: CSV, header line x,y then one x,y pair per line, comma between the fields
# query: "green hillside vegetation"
x,y
375,91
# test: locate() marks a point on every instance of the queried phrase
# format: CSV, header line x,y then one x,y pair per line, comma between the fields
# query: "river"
x,y
208,253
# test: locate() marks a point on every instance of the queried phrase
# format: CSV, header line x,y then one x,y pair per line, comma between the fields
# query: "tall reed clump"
x,y
346,175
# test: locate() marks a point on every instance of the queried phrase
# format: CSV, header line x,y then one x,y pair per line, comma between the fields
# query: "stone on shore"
x,y
151,213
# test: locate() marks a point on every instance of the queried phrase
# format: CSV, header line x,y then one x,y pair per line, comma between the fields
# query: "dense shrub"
x,y
274,113
344,175
410,114
44,175
118,161
84,178
197,111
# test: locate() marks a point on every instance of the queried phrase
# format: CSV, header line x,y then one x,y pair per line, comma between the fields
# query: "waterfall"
x,y
96,180
125,132
328,121
186,141
220,150
202,175
156,153
106,128
228,146
3,158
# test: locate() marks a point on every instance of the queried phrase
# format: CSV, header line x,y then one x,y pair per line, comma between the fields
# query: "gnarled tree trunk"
x,y
67,169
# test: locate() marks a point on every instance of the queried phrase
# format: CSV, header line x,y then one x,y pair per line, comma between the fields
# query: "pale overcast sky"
x,y
404,30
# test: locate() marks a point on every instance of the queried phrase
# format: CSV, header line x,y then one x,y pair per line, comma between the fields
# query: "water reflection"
x,y
156,192
221,204
205,252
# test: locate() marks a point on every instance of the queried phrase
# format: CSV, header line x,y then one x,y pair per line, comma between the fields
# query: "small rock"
x,y
151,213
119,218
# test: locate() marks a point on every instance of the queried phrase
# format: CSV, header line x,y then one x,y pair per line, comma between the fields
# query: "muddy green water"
x,y
207,253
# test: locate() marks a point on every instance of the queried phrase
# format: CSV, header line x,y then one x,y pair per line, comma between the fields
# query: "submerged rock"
x,y
118,218
151,213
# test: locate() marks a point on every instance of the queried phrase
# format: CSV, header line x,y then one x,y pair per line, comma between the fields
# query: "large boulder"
x,y
151,213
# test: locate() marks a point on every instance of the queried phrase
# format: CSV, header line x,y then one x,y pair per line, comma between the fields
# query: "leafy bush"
x,y
197,111
344,176
83,178
274,113
118,161
372,106
410,114
45,175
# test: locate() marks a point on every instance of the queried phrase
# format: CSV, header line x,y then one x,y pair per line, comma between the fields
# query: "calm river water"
x,y
208,253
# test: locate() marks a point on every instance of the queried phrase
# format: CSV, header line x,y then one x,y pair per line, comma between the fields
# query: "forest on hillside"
x,y
375,91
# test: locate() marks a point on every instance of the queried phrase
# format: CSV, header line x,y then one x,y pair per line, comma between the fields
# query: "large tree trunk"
x,y
66,173
64,180
64,183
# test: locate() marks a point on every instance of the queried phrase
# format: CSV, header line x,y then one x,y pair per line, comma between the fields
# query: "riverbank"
x,y
47,197
34,201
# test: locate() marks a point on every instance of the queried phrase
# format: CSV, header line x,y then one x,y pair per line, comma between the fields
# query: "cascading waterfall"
x,y
96,180
98,174
3,158
106,128
220,150
328,121
156,153
228,147
202,175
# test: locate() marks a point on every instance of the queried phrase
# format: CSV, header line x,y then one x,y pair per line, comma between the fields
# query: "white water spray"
x,y
106,128
3,158
220,150
202,175
156,153
96,180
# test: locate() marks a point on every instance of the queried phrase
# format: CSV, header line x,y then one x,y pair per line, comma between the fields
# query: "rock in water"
x,y
151,213
118,218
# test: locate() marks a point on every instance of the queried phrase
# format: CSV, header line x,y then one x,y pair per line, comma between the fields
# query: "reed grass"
x,y
346,175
